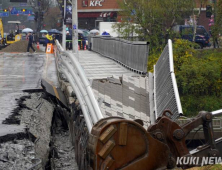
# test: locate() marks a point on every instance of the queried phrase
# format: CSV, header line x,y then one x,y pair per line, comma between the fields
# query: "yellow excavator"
x,y
14,36
2,39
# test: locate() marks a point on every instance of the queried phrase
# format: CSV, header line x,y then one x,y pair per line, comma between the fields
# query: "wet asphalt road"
x,y
18,72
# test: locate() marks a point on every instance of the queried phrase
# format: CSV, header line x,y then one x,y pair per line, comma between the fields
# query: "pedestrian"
x,y
30,39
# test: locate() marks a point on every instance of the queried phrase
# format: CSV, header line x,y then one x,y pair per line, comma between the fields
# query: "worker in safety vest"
x,y
48,40
49,37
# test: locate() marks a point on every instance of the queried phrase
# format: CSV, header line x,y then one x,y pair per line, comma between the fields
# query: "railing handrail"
x,y
84,91
166,95
86,83
217,112
131,54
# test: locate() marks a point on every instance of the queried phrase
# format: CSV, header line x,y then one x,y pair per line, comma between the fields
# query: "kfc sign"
x,y
85,3
96,2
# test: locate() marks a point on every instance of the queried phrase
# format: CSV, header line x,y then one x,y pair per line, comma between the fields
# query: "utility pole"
x,y
38,19
64,28
75,28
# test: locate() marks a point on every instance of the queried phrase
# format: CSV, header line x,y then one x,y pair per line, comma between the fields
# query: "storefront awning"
x,y
88,14
95,14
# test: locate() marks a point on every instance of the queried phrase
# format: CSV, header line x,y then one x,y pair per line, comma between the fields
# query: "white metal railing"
x,y
130,54
75,74
166,95
217,112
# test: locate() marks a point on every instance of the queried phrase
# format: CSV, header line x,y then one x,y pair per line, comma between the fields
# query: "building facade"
x,y
91,12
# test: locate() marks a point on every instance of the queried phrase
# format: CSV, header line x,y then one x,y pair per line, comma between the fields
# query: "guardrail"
x,y
131,54
166,95
74,73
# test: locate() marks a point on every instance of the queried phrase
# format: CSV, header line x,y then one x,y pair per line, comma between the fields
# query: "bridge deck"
x,y
99,67
120,92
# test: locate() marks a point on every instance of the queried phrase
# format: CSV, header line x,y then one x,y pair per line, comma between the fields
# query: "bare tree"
x,y
52,17
40,7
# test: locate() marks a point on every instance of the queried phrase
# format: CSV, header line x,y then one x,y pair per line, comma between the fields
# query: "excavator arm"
x,y
117,143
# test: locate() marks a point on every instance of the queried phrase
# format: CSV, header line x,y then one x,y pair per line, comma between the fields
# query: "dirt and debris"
x,y
36,114
62,154
38,120
17,154
46,144
19,46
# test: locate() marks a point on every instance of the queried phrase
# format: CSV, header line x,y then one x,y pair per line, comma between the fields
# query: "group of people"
x,y
49,39
52,38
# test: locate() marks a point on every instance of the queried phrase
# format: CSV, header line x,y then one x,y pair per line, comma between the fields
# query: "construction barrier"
x,y
49,48
37,45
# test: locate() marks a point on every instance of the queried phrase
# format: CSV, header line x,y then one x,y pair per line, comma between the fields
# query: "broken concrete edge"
x,y
13,118
26,133
55,93
17,136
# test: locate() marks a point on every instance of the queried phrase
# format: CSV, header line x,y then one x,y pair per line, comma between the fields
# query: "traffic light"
x,y
23,10
36,16
208,11
5,10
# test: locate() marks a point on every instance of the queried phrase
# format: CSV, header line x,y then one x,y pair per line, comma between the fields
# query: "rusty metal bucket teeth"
x,y
117,143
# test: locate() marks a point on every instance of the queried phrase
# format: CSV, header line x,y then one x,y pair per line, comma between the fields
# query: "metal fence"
x,y
75,75
131,54
166,95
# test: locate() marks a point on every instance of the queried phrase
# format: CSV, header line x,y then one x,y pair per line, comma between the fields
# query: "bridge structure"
x,y
116,72
112,98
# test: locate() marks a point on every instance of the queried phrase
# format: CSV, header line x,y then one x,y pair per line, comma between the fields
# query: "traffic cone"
x,y
37,45
85,47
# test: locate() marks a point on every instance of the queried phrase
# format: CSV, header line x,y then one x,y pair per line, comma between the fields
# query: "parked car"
x,y
202,37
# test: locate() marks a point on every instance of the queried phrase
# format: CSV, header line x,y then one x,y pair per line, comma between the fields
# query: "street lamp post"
x,y
75,28
64,28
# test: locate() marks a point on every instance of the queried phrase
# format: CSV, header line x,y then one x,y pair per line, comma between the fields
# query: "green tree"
x,y
151,19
